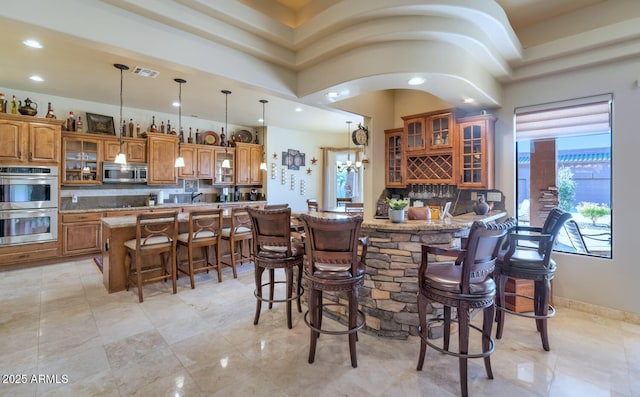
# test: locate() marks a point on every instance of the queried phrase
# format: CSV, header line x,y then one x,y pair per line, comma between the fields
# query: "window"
x,y
563,153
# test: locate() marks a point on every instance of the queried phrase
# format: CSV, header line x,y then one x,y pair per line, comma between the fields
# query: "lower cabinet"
x,y
81,233
27,255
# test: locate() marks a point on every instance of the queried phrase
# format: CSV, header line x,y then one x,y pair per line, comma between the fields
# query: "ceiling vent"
x,y
144,72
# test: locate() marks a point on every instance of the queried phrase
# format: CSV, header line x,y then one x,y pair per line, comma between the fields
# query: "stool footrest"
x,y
293,297
551,313
492,344
358,327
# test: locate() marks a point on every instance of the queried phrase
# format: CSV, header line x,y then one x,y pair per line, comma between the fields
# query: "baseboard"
x,y
607,312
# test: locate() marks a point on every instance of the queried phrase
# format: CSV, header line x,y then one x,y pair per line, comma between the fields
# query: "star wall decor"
x,y
314,161
275,155
309,170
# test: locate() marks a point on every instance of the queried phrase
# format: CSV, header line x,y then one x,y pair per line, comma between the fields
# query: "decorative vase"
x,y
396,216
481,207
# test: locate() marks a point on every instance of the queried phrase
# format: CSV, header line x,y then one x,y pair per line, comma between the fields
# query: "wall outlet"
x,y
474,196
494,196
74,199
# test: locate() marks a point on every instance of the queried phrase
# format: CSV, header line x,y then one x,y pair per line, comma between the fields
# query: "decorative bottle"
x,y
79,124
71,122
168,126
162,127
3,104
181,137
138,129
222,138
190,139
131,128
198,135
153,127
50,114
14,105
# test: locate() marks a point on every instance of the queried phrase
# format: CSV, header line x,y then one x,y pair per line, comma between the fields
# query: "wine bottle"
x,y
181,137
190,139
50,114
14,105
79,124
131,127
162,127
168,126
153,127
3,104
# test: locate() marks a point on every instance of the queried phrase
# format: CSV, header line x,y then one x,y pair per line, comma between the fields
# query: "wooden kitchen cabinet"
x,y
162,150
81,160
198,162
221,175
414,137
27,139
394,158
475,152
248,159
440,130
134,148
81,233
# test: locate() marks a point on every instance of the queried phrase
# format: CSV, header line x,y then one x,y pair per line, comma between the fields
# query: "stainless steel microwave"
x,y
128,173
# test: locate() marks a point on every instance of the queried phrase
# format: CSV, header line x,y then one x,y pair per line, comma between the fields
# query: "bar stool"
x,y
273,249
205,227
238,232
530,262
155,236
465,284
312,205
332,264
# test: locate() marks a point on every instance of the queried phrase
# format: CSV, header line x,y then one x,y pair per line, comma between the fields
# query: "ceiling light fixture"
x,y
263,164
469,100
36,78
416,81
348,166
179,160
226,163
121,158
32,43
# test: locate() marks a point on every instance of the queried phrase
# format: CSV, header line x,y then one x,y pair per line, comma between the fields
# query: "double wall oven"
x,y
28,204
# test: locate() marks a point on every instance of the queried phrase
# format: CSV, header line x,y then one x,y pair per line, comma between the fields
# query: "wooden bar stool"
x,y
205,227
332,264
155,237
237,235
273,249
465,284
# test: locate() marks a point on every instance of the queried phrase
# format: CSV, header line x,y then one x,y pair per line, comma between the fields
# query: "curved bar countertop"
x,y
388,296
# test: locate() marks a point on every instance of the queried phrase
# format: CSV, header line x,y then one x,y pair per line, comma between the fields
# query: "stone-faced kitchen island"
x,y
389,295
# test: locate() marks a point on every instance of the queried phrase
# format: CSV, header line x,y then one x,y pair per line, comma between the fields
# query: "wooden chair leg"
x,y
313,313
289,275
500,295
422,314
353,323
542,290
299,287
139,278
487,325
446,334
272,278
190,258
258,278
218,263
463,343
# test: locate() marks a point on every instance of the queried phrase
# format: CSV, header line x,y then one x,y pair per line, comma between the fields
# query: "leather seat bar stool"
x,y
237,235
531,262
354,207
156,234
333,265
465,283
205,227
312,205
273,249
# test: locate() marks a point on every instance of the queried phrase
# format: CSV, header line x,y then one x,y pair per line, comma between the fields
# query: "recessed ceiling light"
x,y
416,81
36,78
469,100
260,120
176,104
332,94
298,109
32,43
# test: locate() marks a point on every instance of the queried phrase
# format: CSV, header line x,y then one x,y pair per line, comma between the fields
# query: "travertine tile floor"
x,y
59,321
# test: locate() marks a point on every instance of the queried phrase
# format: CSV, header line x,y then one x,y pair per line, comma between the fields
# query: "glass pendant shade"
x,y
121,158
226,163
263,166
179,160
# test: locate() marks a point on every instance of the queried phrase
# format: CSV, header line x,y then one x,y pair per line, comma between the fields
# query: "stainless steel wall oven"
x,y
28,204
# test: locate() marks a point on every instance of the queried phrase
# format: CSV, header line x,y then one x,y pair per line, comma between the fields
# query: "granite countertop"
x,y
160,206
455,223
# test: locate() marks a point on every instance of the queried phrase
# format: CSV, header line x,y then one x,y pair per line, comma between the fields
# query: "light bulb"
x,y
348,163
339,163
120,159
226,163
358,164
179,162
263,166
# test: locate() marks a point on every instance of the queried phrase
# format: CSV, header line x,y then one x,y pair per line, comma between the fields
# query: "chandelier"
x,y
348,166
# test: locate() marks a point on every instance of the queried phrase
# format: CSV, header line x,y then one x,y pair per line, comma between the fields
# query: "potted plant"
x,y
397,209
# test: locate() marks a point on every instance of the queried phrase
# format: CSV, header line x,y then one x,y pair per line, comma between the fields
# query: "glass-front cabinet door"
x,y
440,130
476,152
415,134
394,159
224,166
81,161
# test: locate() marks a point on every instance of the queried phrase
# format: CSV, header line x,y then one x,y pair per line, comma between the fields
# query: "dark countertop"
x,y
166,205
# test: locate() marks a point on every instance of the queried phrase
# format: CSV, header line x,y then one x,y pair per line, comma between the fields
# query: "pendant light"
x,y
263,164
121,158
179,160
226,163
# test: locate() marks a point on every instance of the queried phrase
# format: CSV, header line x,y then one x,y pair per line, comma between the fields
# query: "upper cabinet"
x,y
134,148
223,171
475,152
429,132
162,150
82,161
441,131
394,158
414,138
26,139
248,159
198,162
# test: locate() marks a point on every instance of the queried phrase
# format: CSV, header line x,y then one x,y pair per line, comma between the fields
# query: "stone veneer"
x,y
388,297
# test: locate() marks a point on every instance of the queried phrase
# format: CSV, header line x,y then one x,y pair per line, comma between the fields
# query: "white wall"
x,y
611,283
